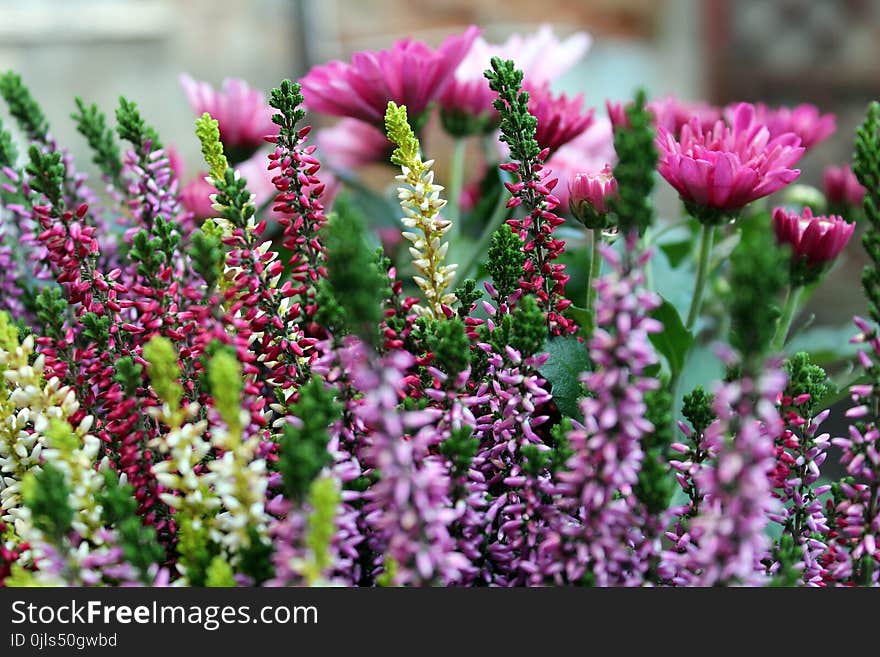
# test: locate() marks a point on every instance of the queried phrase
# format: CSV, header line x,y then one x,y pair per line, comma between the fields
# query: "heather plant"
x,y
522,375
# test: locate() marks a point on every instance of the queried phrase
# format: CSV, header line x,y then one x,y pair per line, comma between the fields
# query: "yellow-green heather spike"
x,y
208,132
400,132
421,204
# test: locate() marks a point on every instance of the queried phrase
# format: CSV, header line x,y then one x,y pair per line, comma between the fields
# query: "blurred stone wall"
x,y
101,49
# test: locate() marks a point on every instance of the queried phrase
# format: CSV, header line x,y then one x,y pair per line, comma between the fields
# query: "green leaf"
x,y
825,344
568,360
722,250
585,319
673,284
675,341
676,252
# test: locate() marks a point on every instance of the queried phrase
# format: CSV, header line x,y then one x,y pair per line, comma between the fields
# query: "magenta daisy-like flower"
x,y
541,56
410,73
842,188
560,118
243,116
351,144
815,240
805,120
719,171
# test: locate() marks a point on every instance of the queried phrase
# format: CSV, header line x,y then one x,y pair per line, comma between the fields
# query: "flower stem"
x,y
482,243
456,177
595,266
707,237
792,301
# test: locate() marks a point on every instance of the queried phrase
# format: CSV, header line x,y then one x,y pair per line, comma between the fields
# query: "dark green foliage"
x,y
256,558
697,409
656,483
636,162
207,255
146,252
23,108
50,308
129,374
467,295
303,449
47,174
562,450
96,328
449,343
235,199
568,360
8,152
528,327
518,126
119,510
757,274
47,495
460,448
353,278
92,124
287,100
866,166
535,460
675,340
132,128
805,378
505,261
196,550
329,313
789,555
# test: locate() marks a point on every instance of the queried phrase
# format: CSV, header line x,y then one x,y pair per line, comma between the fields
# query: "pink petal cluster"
x,y
593,189
241,111
727,167
729,533
589,151
560,118
351,144
542,57
670,112
842,188
804,120
409,73
818,240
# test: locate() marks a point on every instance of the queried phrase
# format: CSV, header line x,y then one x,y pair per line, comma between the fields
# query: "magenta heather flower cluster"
x,y
219,381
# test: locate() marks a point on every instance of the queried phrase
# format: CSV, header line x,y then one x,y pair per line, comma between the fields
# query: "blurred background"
x,y
825,52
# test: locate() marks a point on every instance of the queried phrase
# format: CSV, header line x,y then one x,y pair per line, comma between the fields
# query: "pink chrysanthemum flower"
x,y
673,114
242,113
814,240
842,188
719,171
409,73
560,118
669,112
542,57
804,120
351,144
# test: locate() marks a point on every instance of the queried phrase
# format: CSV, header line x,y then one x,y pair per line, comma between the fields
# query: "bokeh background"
x,y
825,52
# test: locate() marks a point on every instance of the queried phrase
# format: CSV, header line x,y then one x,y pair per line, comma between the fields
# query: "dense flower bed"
x,y
224,382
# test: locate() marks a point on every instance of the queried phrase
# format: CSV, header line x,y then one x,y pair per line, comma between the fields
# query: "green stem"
x,y
707,237
494,223
595,266
456,178
792,301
